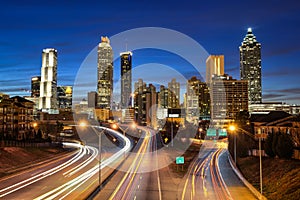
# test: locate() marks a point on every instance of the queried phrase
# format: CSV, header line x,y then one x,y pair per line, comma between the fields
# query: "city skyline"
x,y
277,34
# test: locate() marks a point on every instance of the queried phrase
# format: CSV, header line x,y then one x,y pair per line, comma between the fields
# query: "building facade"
x,y
163,97
214,66
228,97
267,107
174,94
126,79
250,66
16,116
92,99
144,104
64,97
105,74
35,86
48,86
197,100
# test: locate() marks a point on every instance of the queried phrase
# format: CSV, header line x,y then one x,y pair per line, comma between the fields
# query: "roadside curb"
x,y
241,177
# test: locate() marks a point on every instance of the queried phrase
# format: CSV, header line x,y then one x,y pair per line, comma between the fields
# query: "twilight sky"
x,y
74,29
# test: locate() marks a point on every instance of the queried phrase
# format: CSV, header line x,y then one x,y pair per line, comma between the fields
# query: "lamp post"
x,y
259,136
83,124
133,125
260,164
232,129
100,157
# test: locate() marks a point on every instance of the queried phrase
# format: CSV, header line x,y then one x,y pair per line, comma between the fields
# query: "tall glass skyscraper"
x,y
174,94
250,66
35,86
48,86
214,67
126,78
105,74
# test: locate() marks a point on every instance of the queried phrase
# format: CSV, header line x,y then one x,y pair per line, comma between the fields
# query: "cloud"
x,y
12,90
282,51
280,71
232,69
272,96
285,91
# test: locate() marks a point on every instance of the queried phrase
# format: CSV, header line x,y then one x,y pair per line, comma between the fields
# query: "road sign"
x,y
180,160
166,139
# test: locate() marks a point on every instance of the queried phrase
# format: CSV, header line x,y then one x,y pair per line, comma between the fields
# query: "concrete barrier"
x,y
241,177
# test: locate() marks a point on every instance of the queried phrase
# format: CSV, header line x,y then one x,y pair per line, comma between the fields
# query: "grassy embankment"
x,y
15,159
281,178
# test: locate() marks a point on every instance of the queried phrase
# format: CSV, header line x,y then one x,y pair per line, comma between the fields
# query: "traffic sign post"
x,y
260,136
180,161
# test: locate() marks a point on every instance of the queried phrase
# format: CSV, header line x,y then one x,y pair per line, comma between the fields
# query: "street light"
x,y
200,133
259,136
232,129
84,124
100,151
133,125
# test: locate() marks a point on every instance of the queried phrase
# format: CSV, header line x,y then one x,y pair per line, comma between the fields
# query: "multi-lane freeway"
x,y
211,177
142,173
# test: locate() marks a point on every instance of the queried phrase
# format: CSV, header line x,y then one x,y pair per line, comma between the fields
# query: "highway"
x,y
144,174
206,176
137,178
72,176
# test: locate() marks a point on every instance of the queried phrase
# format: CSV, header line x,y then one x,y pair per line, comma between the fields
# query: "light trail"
x,y
193,171
81,179
29,181
76,182
84,163
219,185
120,192
208,164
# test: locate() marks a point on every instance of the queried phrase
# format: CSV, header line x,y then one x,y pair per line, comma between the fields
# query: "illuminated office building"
x,y
228,97
145,104
35,86
126,76
174,94
214,66
105,74
250,66
197,100
48,86
64,97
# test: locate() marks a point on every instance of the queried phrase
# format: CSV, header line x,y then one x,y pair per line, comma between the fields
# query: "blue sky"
x,y
74,28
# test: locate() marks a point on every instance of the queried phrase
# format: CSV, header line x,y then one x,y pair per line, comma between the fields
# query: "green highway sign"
x,y
179,160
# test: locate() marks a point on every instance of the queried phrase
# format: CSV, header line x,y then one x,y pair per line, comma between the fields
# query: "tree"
x,y
274,143
268,145
39,135
285,146
242,120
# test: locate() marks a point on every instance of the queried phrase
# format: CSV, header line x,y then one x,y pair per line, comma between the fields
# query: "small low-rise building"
x,y
277,121
16,116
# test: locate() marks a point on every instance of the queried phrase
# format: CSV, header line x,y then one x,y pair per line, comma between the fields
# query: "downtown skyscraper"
x,y
174,94
105,74
214,67
35,86
250,66
48,85
126,79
